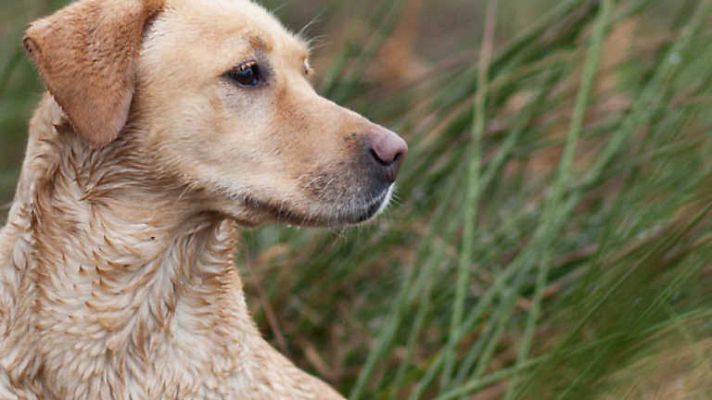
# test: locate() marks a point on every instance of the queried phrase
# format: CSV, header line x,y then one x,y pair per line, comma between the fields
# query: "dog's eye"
x,y
247,74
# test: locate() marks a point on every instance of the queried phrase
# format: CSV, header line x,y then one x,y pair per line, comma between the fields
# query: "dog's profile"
x,y
167,124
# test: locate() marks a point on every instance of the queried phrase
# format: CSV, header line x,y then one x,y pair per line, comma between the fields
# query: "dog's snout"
x,y
387,150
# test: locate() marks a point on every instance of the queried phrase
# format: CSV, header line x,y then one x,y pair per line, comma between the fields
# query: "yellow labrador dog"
x,y
166,124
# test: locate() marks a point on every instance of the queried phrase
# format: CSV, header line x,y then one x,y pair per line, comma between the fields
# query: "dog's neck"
x,y
115,275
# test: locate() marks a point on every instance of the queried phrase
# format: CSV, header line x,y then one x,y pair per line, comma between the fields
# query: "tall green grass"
x,y
552,236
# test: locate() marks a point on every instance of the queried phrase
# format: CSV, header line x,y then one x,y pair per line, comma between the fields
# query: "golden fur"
x,y
116,265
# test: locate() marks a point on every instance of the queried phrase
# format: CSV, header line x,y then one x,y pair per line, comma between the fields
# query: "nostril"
x,y
379,159
398,156
389,151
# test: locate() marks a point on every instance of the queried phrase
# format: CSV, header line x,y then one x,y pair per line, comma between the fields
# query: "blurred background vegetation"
x,y
551,238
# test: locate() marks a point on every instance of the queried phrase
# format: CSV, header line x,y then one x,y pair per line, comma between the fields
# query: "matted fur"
x,y
116,265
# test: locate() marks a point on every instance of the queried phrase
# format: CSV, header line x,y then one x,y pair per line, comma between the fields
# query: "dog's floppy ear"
x,y
86,55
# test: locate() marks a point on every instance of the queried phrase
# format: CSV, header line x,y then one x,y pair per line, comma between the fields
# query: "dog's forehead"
x,y
229,20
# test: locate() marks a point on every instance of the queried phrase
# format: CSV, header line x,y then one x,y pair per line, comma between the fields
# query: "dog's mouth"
x,y
375,207
354,212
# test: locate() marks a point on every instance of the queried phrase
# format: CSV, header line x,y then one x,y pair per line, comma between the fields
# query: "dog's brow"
x,y
259,43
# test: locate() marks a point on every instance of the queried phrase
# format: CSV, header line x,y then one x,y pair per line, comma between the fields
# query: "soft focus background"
x,y
558,245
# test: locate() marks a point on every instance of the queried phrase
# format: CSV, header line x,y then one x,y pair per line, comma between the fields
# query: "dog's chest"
x,y
80,329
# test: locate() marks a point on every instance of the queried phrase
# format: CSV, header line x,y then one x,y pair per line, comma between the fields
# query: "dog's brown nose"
x,y
388,151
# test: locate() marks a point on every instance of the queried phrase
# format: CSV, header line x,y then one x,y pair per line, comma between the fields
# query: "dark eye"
x,y
247,74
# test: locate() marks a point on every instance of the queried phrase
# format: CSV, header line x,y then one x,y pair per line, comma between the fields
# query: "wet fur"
x,y
116,265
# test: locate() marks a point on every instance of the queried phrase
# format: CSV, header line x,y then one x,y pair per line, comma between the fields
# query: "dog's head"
x,y
221,94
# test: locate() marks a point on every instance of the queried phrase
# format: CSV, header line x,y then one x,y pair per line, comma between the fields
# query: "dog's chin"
x,y
355,212
371,210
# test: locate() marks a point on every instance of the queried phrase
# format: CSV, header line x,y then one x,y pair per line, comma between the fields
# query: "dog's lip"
x,y
370,210
365,213
379,205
